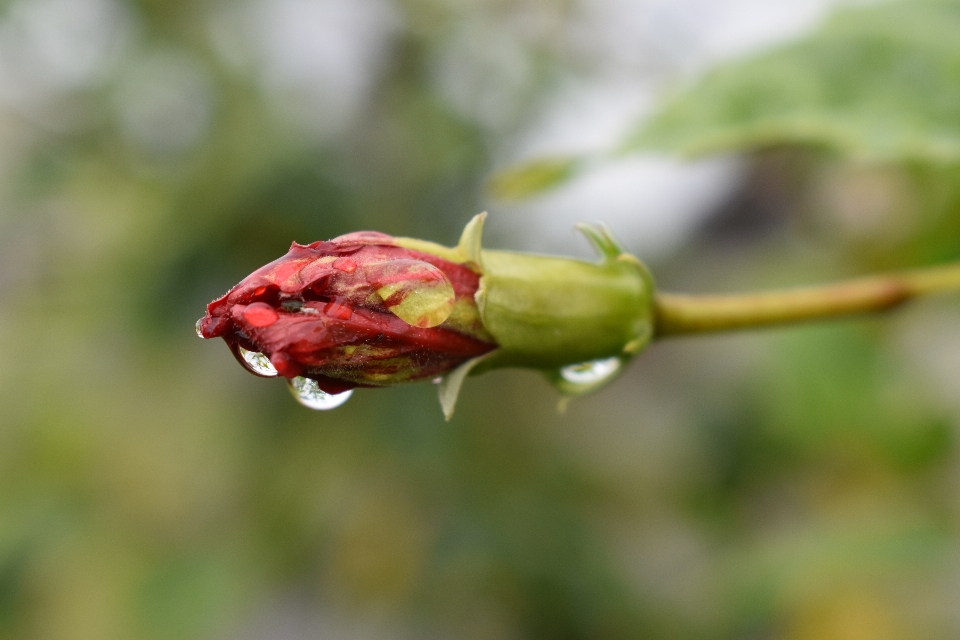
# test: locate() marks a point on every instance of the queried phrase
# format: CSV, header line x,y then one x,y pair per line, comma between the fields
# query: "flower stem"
x,y
678,314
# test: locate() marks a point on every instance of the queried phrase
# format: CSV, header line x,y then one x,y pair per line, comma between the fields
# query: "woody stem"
x,y
678,314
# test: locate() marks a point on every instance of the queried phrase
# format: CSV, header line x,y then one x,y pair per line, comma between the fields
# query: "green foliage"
x,y
881,83
532,178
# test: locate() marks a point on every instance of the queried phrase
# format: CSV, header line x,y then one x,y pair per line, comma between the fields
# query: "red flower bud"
x,y
370,310
357,311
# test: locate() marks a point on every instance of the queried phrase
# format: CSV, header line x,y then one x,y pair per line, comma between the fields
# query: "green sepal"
x,y
602,239
466,252
610,252
450,384
469,245
548,313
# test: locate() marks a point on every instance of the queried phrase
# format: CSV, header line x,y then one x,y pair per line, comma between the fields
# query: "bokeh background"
x,y
789,484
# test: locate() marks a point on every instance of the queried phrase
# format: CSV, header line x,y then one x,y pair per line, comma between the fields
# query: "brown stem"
x,y
678,314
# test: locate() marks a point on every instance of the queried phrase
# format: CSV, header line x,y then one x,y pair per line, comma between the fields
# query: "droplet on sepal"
x,y
257,363
309,394
586,377
345,264
591,373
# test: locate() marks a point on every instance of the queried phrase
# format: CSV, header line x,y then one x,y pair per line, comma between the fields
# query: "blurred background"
x,y
787,484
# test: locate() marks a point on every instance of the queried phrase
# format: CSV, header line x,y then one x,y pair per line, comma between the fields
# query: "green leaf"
x,y
532,178
880,83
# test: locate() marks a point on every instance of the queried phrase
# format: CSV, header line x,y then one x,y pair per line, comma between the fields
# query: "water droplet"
x,y
591,372
417,292
260,314
258,363
309,394
199,330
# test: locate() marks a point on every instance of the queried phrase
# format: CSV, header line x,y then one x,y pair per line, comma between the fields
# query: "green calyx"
x,y
548,312
577,321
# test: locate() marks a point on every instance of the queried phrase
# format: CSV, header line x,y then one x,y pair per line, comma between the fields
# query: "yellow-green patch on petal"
x,y
418,293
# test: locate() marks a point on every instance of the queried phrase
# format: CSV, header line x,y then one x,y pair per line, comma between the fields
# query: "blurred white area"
x,y
652,204
630,52
691,35
319,58
486,72
164,102
51,47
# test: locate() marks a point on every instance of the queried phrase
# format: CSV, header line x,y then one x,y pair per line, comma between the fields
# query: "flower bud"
x,y
367,309
355,311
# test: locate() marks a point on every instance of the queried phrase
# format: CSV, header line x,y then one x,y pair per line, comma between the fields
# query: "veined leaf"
x,y
880,83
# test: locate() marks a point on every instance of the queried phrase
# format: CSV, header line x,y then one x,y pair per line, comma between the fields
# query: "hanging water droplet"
x,y
591,372
309,394
258,363
199,331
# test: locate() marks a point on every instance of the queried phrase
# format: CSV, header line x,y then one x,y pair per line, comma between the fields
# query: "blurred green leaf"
x,y
532,178
880,83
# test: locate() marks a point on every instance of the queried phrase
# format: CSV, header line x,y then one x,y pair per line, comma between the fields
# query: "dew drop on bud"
x,y
347,265
260,314
309,394
417,292
258,363
588,373
199,330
